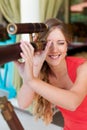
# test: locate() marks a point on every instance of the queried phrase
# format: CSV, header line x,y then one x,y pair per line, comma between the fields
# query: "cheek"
x,y
63,49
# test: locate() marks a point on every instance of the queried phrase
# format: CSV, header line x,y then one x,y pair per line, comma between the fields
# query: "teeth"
x,y
54,57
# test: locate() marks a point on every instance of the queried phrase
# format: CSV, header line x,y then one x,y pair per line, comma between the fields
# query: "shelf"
x,y
73,49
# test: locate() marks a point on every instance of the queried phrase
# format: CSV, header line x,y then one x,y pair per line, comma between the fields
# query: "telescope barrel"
x,y
12,52
9,53
21,28
3,34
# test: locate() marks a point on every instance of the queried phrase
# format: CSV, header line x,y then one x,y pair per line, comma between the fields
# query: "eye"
x,y
61,43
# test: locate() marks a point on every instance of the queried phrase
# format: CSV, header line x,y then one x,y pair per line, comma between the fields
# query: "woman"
x,y
52,79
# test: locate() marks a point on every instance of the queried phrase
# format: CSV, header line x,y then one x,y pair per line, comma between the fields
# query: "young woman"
x,y
53,79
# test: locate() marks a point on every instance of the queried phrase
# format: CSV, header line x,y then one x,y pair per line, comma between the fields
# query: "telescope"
x,y
3,33
12,52
26,28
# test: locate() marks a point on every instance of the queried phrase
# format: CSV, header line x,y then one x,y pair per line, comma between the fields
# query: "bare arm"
x,y
25,96
26,93
68,99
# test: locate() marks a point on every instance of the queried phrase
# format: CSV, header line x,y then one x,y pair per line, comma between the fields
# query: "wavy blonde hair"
x,y
41,107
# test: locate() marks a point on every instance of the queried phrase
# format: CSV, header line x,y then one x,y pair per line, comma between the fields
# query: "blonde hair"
x,y
42,108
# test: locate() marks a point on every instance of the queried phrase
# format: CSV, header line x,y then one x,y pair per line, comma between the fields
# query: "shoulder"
x,y
79,62
82,74
82,68
75,65
75,61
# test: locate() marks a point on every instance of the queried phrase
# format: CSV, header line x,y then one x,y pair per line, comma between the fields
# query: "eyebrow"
x,y
57,40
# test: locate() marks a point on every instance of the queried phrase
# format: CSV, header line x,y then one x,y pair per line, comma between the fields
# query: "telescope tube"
x,y
12,52
21,28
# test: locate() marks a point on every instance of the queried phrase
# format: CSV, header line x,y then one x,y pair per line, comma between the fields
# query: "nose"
x,y
53,46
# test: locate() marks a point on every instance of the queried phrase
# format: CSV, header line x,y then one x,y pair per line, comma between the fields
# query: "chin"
x,y
54,63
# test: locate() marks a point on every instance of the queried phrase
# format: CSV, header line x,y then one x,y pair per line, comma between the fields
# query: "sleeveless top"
x,y
75,120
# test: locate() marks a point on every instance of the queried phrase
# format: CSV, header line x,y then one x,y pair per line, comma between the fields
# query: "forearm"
x,y
25,96
63,98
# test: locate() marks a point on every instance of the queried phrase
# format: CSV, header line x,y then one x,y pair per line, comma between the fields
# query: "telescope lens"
x,y
11,28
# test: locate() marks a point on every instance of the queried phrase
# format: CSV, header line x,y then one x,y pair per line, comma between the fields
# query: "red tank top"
x,y
75,120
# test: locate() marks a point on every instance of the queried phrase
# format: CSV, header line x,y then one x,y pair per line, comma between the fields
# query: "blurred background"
x,y
72,12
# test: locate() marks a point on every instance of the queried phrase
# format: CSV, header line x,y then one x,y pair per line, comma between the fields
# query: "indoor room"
x,y
56,103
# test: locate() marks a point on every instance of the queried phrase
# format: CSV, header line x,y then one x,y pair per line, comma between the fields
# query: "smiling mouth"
x,y
54,56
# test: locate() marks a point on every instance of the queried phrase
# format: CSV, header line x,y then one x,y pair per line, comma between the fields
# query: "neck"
x,y
59,70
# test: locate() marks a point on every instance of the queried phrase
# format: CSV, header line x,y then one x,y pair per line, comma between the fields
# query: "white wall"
x,y
29,13
29,10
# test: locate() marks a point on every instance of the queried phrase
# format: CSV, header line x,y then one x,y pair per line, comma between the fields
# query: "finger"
x,y
26,48
29,45
47,47
27,53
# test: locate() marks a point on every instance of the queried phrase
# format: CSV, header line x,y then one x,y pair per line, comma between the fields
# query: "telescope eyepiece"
x,y
11,28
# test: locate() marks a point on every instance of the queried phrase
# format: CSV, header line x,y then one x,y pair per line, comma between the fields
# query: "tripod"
x,y
9,114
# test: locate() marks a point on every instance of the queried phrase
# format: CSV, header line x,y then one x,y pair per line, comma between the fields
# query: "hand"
x,y
26,68
38,60
33,62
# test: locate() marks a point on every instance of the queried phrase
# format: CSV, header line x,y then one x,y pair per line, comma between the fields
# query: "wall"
x,y
29,13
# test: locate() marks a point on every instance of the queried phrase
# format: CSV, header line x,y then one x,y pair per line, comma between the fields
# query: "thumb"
x,y
47,47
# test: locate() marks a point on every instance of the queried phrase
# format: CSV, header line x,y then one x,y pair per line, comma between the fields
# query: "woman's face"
x,y
58,48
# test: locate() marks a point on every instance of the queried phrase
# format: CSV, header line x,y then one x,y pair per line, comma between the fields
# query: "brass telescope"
x,y
21,28
12,52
